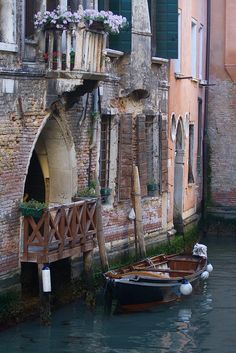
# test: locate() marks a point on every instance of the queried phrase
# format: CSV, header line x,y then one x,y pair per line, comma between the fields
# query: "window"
x,y
30,10
125,157
151,156
105,150
73,5
122,41
199,144
200,75
190,154
52,4
33,6
194,49
7,22
149,147
164,26
178,61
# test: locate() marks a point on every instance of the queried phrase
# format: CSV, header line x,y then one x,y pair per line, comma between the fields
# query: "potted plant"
x,y
56,19
87,192
104,20
55,56
152,188
105,193
32,208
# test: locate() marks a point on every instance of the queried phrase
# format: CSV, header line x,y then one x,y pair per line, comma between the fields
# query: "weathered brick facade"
x,y
56,115
222,110
30,109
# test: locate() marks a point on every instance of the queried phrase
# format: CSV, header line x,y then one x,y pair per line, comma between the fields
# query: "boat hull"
x,y
140,293
141,287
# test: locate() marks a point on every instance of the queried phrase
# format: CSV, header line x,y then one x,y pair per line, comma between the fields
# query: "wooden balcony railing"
x,y
86,45
61,232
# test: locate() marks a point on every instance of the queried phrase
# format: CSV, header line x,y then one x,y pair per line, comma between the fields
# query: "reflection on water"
x,y
203,322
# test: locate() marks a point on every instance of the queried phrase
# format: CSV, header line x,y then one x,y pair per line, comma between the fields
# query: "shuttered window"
x,y
142,152
164,24
125,161
163,128
150,148
105,150
121,41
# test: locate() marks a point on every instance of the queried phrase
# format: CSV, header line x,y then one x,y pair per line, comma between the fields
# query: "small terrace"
x,y
60,232
78,50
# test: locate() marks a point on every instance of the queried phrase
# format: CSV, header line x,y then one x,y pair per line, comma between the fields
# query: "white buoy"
x,y
131,215
186,287
204,275
46,279
209,268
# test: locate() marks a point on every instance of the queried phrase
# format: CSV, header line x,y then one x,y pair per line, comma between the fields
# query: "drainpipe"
x,y
205,130
94,131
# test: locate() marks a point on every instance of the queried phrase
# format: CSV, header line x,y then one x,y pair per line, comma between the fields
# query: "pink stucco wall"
x,y
183,99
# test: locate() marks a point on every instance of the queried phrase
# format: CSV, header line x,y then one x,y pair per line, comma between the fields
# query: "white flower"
x,y
112,23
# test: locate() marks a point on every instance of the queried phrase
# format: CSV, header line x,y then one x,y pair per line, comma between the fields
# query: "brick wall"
x,y
222,136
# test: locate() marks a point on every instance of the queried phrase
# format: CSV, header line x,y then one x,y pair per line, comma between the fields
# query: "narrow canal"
x,y
203,322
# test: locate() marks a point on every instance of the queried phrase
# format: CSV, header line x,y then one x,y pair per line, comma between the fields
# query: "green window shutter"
x,y
167,29
101,5
121,41
125,160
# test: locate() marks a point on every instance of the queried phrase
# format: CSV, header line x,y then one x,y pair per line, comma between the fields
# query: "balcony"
x,y
61,232
87,46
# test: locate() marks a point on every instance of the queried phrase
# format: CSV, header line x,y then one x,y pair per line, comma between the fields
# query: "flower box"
x,y
95,20
96,26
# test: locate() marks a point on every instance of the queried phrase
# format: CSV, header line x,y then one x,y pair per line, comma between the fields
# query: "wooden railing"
x,y
61,232
77,48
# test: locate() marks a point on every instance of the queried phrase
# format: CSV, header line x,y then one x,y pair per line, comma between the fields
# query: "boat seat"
x,y
183,260
167,270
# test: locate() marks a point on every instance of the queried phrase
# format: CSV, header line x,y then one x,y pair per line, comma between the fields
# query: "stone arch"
x,y
179,177
56,154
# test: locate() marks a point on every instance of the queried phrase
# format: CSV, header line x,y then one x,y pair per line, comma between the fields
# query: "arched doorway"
x,y
52,172
178,178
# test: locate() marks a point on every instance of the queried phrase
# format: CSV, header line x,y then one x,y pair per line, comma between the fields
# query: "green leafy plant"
x,y
86,192
92,184
32,208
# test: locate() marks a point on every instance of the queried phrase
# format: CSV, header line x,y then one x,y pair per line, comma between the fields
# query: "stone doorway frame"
x,y
55,149
179,177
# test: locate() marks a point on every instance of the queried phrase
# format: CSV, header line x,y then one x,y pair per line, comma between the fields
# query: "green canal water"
x,y
203,322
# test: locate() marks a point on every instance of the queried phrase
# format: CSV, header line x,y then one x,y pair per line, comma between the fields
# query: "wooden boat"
x,y
157,279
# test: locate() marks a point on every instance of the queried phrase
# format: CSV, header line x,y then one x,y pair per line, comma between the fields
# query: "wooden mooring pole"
x,y
88,267
44,297
138,211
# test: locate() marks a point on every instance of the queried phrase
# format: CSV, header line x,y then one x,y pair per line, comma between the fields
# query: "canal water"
x,y
203,322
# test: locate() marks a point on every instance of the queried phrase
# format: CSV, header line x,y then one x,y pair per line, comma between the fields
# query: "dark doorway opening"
x,y
34,184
